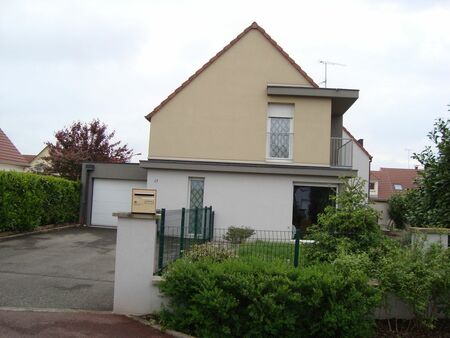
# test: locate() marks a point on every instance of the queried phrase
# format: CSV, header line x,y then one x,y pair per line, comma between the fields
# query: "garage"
x,y
108,196
106,188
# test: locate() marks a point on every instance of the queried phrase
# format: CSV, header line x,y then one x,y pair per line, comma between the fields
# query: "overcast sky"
x,y
62,61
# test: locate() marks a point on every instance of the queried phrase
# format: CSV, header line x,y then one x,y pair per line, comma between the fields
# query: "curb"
x,y
41,231
173,333
53,310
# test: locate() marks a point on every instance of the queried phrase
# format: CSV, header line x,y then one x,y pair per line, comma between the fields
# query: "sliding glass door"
x,y
309,201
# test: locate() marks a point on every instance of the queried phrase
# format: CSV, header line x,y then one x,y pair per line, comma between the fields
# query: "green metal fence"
x,y
268,245
179,229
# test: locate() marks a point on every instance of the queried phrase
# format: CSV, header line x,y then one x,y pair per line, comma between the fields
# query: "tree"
x,y
84,142
429,204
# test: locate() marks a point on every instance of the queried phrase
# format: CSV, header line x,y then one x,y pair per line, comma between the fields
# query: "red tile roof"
x,y
9,153
357,143
387,177
29,158
254,25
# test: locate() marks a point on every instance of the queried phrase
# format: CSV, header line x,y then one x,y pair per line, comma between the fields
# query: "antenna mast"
x,y
326,63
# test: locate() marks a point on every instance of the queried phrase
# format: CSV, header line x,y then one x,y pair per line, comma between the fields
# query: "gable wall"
x,y
222,114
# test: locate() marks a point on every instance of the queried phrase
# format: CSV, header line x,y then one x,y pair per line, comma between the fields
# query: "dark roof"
x,y
9,153
357,143
254,25
387,177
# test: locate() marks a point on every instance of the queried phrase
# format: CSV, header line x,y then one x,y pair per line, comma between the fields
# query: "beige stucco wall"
x,y
11,167
382,208
222,114
39,161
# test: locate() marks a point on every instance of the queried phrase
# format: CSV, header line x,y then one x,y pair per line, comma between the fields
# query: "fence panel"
x,y
179,229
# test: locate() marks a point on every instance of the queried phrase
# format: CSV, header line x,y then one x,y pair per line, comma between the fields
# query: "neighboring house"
x,y
361,157
38,162
384,183
10,157
250,134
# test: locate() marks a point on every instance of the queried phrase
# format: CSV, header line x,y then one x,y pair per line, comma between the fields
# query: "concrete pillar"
x,y
134,290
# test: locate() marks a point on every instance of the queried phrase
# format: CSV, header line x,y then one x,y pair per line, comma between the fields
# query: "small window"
x,y
279,131
195,201
372,185
398,187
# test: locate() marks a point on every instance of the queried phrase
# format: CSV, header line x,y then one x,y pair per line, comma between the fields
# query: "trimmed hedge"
x,y
29,200
238,298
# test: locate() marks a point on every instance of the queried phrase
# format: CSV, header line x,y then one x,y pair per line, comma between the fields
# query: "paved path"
x,y
57,324
67,269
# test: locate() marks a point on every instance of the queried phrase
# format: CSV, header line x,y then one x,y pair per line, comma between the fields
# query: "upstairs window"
x,y
398,187
280,131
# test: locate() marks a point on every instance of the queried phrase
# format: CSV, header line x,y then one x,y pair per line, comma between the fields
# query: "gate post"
x,y
161,239
297,247
205,210
134,290
195,223
183,211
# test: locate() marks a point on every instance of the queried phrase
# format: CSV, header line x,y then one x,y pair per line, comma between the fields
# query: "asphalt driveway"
x,y
66,269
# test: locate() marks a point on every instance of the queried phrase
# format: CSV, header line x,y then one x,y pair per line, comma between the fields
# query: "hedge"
x,y
236,298
29,200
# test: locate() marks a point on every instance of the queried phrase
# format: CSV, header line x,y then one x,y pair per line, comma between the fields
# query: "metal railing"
x,y
279,145
341,152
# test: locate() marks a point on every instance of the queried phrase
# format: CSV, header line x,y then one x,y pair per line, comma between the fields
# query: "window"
x,y
195,200
279,131
398,187
372,185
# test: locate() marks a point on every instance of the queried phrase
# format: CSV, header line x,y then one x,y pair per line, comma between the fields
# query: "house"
x,y
386,182
249,133
10,157
38,162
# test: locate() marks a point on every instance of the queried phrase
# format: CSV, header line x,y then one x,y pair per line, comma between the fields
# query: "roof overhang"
x,y
249,168
341,99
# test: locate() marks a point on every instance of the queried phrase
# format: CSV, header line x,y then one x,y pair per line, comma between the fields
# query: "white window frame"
x,y
286,111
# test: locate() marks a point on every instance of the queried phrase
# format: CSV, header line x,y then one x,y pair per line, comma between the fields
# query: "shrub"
x,y
421,278
29,200
397,209
238,235
251,298
351,226
208,251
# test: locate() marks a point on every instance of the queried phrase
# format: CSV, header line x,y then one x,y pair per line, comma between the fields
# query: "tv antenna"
x,y
408,150
326,63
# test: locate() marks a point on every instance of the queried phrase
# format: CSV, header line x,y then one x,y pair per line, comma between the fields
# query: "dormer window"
x,y
398,187
280,131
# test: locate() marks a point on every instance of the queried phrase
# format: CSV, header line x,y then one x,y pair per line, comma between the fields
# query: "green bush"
x,y
214,252
397,209
352,226
238,298
29,200
419,277
238,235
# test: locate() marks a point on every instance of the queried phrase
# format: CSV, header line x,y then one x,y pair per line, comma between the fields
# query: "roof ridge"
x,y
254,25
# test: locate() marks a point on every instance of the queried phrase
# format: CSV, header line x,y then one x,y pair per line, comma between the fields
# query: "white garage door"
x,y
111,196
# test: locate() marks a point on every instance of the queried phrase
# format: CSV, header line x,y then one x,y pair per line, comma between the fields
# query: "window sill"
x,y
279,160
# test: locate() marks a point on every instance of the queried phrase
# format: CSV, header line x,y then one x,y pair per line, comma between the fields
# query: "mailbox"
x,y
143,201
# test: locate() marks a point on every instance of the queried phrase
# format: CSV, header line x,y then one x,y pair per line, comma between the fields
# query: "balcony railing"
x,y
279,145
341,152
